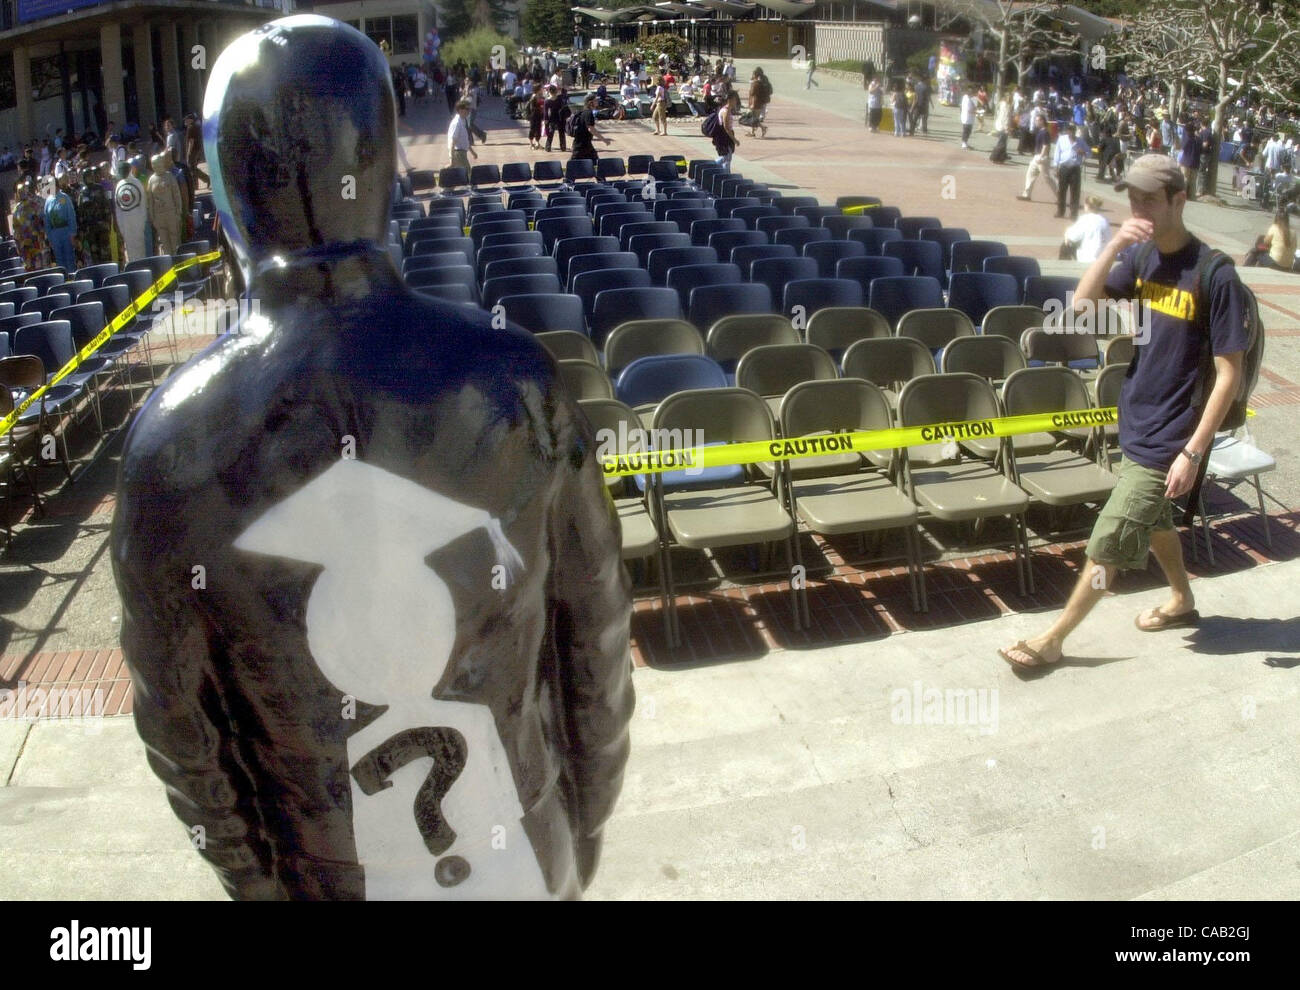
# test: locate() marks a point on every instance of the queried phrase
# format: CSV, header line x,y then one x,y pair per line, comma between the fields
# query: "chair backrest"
x,y
975,293
579,170
511,237
508,225
867,268
660,260
609,217
114,299
733,336
1042,289
911,227
97,273
629,230
776,272
935,327
800,237
702,230
436,246
951,398
548,171
45,305
969,256
1044,390
571,247
888,361
518,285
989,357
442,275
563,210
1110,380
744,255
610,168
1017,266
457,292
770,225
545,312
892,296
723,415
1117,350
829,253
774,369
19,295
816,214
836,328
588,284
874,238
651,379
560,228
453,177
583,380
727,205
1059,346
788,204
580,263
840,225
726,241
1011,321
505,252
833,406
484,175
423,262
642,338
642,244
11,324
616,306
684,278
43,283
710,303
513,172
540,265
49,340
685,216
639,164
945,237
84,319
918,258
805,296
568,345
752,214
25,371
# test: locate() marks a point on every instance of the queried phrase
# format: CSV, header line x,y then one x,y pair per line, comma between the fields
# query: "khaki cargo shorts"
x,y
1137,507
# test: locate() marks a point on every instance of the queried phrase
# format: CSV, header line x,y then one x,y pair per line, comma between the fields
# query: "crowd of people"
x,y
117,200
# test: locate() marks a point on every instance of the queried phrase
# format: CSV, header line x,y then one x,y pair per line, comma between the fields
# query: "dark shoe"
x,y
1025,198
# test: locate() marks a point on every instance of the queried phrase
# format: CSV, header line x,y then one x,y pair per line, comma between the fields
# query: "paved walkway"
x,y
774,762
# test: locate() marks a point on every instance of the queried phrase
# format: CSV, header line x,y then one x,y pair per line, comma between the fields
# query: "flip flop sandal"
x,y
1164,621
1033,654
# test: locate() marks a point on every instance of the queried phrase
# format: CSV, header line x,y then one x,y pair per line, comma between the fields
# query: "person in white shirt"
x,y
1090,233
459,147
508,81
967,115
1068,162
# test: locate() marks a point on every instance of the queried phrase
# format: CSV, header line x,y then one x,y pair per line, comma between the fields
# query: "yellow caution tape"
x,y
753,452
114,325
857,211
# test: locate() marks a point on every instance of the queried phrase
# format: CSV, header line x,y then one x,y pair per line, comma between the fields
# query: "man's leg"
x,y
1169,554
1062,186
1094,580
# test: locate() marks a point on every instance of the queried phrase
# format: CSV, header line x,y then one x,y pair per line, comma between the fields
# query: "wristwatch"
x,y
1192,456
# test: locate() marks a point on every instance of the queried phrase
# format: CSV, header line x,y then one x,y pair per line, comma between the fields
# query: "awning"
x,y
732,7
790,8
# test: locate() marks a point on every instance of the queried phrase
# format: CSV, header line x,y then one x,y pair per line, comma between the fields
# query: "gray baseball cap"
x,y
1151,173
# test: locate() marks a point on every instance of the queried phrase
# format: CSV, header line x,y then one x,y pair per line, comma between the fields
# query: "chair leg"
x,y
1020,560
1029,557
1205,528
1263,516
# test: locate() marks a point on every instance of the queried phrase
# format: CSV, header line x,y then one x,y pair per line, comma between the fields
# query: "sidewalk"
x,y
1154,766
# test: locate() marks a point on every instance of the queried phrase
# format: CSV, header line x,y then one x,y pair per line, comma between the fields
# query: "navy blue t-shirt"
x,y
1157,416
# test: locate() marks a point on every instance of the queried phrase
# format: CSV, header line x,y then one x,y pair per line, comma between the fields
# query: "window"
x,y
356,24
399,35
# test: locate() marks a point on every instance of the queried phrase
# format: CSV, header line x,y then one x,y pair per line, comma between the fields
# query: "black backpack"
x,y
574,124
1253,357
710,124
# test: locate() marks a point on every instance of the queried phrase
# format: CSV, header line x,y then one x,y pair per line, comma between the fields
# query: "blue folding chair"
x,y
684,278
579,170
439,245
642,244
828,254
839,225
911,227
816,214
555,212
571,247
788,204
918,258
685,217
975,293
629,230
702,230
892,296
770,225
745,255
445,275
727,205
580,263
588,284
812,294
1041,289
545,312
504,252
483,228
775,272
1017,266
752,214
710,303
617,306
798,237
945,237
563,228
969,256
724,242
649,380
453,293
873,239
660,260
541,265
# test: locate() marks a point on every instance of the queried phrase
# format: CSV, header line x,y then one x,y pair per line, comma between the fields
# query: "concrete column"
x,y
144,77
171,72
194,78
110,54
23,92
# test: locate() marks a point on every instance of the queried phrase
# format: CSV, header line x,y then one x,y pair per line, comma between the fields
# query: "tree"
x,y
548,23
1025,31
456,17
1231,47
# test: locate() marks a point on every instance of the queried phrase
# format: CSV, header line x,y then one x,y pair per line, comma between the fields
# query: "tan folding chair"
x,y
618,432
773,369
585,380
1011,321
935,327
837,328
569,345
730,337
888,363
949,487
836,493
642,338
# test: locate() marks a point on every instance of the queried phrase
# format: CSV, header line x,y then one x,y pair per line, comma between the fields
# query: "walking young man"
x,y
1164,430
459,146
1068,161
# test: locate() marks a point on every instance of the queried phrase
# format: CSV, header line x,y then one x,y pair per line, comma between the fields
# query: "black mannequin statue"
x,y
374,607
